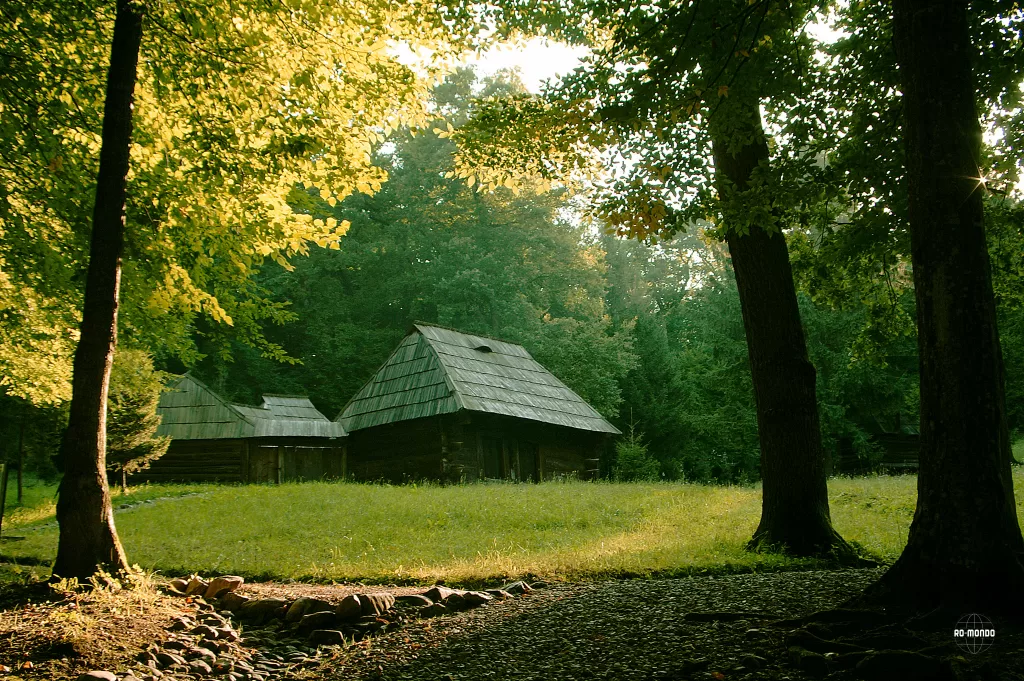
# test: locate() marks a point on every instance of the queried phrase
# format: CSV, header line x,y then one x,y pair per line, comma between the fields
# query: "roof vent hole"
x,y
483,348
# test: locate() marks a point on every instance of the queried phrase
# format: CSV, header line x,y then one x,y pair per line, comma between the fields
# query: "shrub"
x,y
632,462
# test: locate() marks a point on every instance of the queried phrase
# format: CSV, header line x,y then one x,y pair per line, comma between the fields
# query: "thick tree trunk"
x,y
965,546
88,539
794,511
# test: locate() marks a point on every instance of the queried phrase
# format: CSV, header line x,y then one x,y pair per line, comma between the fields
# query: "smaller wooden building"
x,y
284,438
453,406
896,441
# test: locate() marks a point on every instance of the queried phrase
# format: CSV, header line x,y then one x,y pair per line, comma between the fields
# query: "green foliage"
x,y
429,249
237,104
36,429
632,462
691,389
132,421
472,533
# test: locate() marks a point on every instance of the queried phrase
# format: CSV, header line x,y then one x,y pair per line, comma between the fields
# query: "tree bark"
x,y
965,546
88,538
794,509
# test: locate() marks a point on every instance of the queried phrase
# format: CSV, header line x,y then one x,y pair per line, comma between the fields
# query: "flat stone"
x,y
477,598
232,602
207,655
350,608
439,593
222,585
539,585
200,667
456,602
498,593
413,600
227,634
434,610
196,585
319,620
517,588
306,606
327,637
97,675
165,659
376,603
205,631
263,610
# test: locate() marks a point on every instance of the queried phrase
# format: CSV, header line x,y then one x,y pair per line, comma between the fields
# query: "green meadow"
x,y
470,533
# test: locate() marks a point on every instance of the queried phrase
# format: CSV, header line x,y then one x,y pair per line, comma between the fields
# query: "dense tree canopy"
x,y
237,105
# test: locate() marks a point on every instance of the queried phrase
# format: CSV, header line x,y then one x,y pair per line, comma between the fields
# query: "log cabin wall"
x,y
529,451
265,460
198,461
397,452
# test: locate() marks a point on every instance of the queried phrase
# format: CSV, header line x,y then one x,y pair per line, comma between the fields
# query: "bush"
x,y
632,462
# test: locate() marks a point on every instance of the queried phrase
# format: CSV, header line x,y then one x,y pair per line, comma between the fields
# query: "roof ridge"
x,y
230,405
416,325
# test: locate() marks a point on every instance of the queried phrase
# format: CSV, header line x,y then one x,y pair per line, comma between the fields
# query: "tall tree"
x,y
965,544
673,88
88,539
238,104
132,418
241,104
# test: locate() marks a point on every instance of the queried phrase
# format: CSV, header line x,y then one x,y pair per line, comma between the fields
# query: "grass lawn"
x,y
472,533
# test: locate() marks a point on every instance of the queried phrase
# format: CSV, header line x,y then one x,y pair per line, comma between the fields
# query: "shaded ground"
x,y
649,630
715,628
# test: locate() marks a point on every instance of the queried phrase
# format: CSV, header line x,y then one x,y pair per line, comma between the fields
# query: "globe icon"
x,y
974,633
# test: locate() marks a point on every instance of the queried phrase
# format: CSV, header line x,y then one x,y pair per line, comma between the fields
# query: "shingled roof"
x,y
436,370
191,411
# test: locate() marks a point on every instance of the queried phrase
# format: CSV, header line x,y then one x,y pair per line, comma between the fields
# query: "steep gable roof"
x,y
436,370
192,411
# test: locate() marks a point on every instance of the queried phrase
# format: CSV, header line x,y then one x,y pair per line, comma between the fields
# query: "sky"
x,y
537,60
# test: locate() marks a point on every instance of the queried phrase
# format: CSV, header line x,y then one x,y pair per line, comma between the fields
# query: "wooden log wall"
x,y
198,461
397,452
252,460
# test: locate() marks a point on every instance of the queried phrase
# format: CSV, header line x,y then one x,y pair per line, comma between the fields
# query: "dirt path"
x,y
642,630
622,630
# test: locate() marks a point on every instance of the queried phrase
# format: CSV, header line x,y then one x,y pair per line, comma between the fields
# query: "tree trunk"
x,y
88,539
124,481
794,508
965,546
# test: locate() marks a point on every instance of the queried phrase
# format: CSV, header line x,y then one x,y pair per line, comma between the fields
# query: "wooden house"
x,y
453,406
285,438
895,442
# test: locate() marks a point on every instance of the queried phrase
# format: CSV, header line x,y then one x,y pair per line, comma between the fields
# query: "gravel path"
x,y
623,630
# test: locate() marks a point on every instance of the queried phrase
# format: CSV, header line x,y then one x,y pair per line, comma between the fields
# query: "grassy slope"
x,y
347,531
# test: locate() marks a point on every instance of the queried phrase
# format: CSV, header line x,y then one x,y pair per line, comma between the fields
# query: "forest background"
x,y
649,333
